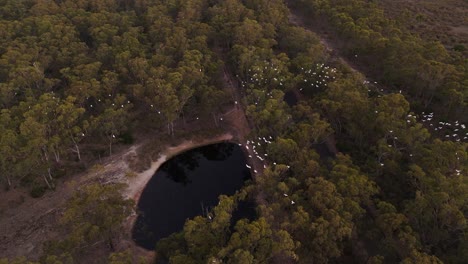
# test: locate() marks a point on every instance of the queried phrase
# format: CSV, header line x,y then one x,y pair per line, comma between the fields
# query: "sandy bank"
x,y
138,183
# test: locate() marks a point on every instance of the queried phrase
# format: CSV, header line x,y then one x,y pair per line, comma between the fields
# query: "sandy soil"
x,y
24,228
138,183
26,225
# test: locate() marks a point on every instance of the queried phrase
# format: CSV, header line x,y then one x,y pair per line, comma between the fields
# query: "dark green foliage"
x,y
77,77
92,216
459,47
38,191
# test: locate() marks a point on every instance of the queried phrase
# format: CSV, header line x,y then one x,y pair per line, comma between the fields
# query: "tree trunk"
x,y
44,154
50,174
57,156
47,182
8,180
215,119
111,244
110,147
428,101
77,149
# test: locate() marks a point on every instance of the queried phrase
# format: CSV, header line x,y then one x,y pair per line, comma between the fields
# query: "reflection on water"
x,y
186,186
181,165
290,98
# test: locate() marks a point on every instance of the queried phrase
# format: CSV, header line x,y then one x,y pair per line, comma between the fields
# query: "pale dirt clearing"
x,y
24,228
138,183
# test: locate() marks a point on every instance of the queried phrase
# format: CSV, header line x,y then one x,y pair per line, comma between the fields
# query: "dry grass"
x,y
434,20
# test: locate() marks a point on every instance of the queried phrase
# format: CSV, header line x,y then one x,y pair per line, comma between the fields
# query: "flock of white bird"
x,y
318,77
454,131
252,145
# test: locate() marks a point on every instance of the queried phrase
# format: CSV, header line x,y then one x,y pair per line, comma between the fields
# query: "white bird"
x,y
285,195
255,171
292,202
247,165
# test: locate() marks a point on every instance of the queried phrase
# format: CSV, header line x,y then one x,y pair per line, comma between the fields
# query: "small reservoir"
x,y
188,185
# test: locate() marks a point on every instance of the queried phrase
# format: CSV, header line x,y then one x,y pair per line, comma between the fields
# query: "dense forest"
x,y
79,77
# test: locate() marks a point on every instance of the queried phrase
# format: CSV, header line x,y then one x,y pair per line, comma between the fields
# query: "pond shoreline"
x,y
137,184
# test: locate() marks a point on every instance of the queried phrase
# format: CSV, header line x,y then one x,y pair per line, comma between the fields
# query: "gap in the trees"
x,y
188,185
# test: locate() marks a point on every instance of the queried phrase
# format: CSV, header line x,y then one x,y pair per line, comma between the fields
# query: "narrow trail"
x,y
241,125
325,40
441,128
24,228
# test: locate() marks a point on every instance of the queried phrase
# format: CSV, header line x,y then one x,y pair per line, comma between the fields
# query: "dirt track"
x,y
26,226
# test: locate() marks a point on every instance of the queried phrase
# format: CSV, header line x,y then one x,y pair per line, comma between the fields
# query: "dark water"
x,y
186,186
290,98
